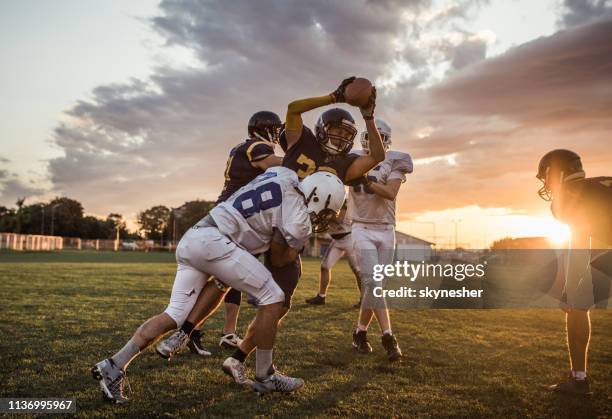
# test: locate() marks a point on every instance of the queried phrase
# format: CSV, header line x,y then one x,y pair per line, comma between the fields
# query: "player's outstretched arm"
x,y
293,121
387,190
363,164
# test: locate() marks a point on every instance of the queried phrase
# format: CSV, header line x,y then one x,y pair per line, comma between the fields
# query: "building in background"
x,y
408,247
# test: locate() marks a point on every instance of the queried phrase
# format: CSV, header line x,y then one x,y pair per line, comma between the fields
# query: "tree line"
x,y
64,216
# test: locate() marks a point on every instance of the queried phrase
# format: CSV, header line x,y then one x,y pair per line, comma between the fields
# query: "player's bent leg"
x,y
190,284
330,258
111,372
229,337
200,313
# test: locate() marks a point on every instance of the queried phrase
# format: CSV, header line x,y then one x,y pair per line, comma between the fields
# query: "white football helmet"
x,y
385,134
324,194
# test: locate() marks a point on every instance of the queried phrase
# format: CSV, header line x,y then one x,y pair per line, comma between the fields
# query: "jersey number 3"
x,y
266,196
307,166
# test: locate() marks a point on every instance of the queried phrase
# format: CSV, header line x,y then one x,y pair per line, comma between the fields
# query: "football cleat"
x,y
112,381
277,382
360,342
317,300
572,386
236,370
357,304
195,344
230,341
389,342
167,348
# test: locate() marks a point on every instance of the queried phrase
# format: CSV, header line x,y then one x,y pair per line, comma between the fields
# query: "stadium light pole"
x,y
456,222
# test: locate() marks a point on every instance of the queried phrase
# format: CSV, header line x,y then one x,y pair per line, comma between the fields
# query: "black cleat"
x,y
317,300
394,352
195,344
357,304
572,386
360,342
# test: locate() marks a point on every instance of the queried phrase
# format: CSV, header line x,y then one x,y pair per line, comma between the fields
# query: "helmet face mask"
x,y
320,222
545,192
386,141
265,126
385,135
335,131
269,134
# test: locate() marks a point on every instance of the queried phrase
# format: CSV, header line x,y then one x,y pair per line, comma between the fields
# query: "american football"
x,y
386,209
358,92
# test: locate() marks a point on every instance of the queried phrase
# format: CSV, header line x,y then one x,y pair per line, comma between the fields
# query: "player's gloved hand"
x,y
367,111
338,94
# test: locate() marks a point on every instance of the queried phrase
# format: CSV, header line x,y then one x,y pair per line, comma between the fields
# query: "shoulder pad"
x,y
400,161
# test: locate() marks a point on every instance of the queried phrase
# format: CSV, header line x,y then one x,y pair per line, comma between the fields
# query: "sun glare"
x,y
558,233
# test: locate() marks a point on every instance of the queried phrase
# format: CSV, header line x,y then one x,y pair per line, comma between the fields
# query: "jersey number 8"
x,y
266,196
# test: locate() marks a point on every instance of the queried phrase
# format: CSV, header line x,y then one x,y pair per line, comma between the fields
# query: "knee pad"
x,y
233,296
271,293
177,313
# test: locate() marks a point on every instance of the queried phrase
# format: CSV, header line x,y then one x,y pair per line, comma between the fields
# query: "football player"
x,y
273,211
585,205
371,209
326,150
246,161
342,244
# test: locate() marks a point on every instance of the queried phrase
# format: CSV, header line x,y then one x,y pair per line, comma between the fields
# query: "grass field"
x,y
61,313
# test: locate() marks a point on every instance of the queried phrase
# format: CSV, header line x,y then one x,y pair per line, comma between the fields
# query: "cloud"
x,y
170,134
13,188
475,125
578,12
561,79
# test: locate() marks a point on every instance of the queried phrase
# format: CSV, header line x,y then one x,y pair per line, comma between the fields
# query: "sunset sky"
x,y
125,105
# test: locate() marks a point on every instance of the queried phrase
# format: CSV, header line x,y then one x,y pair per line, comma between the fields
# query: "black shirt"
x,y
586,206
238,170
306,157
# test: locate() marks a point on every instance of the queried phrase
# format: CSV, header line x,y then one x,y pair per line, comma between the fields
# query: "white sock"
x,y
361,328
579,375
263,362
387,332
321,295
125,355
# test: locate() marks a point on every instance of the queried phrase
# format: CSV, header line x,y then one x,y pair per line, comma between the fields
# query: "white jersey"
x,y
366,207
269,201
341,228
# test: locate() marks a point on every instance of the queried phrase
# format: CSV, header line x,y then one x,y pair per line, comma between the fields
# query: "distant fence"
x,y
35,242
15,241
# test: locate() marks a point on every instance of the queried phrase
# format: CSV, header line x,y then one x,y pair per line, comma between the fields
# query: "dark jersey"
x,y
306,157
238,170
586,206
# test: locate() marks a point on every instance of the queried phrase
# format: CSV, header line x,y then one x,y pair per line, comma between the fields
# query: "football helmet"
x,y
335,131
324,195
265,126
385,135
557,167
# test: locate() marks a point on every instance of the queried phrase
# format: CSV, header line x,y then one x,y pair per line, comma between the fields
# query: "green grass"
x,y
62,312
